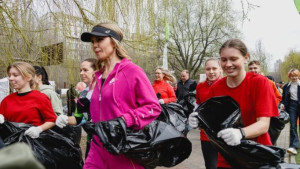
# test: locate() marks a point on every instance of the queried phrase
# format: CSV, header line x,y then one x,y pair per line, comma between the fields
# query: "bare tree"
x,y
197,28
261,55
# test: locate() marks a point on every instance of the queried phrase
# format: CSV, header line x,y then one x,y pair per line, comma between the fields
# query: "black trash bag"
x,y
173,114
188,103
157,144
53,150
71,132
223,112
277,124
112,134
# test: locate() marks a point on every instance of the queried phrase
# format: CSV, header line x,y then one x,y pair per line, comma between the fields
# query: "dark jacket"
x,y
286,95
185,88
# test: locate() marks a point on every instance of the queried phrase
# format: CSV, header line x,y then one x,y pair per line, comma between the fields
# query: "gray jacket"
x,y
55,100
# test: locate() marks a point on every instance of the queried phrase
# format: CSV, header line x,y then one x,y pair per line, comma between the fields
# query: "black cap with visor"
x,y
99,31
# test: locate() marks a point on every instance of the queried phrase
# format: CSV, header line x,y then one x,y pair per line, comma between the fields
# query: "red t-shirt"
x,y
255,98
33,108
202,94
165,89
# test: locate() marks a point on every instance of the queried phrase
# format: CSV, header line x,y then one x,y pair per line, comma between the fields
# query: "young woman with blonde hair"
x,y
291,103
27,104
162,87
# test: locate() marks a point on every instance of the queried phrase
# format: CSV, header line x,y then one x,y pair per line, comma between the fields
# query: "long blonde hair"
x,y
120,51
167,75
26,70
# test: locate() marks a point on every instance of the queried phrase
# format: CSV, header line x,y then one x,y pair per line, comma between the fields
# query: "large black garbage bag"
x,y
223,112
277,124
188,103
71,132
157,144
173,114
53,150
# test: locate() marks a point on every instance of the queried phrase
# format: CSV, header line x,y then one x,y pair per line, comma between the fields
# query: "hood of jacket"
x,y
45,87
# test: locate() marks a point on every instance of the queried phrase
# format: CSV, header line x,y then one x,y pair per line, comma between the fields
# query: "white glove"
x,y
193,121
231,136
161,101
1,119
62,121
281,106
33,132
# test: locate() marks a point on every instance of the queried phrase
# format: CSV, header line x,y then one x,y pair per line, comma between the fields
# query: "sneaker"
x,y
292,150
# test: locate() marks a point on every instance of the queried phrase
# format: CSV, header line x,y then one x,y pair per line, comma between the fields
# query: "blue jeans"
x,y
294,112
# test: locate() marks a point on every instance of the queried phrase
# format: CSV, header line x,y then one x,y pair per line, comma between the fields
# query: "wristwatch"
x,y
242,132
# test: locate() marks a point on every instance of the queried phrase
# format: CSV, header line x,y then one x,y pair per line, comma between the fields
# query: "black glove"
x,y
83,105
112,134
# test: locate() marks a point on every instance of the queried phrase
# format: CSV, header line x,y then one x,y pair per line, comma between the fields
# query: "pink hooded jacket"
x,y
126,92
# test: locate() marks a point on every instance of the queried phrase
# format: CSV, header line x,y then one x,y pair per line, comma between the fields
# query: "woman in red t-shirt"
x,y
213,73
161,86
26,105
251,91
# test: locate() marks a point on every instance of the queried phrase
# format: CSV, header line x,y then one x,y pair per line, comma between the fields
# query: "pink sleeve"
x,y
148,107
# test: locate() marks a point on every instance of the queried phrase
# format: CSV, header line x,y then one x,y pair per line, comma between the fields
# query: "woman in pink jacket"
x,y
122,90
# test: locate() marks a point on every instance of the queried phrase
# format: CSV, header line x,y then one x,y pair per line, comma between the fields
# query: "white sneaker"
x,y
292,150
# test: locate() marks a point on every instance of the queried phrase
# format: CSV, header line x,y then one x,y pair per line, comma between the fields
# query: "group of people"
x,y
118,88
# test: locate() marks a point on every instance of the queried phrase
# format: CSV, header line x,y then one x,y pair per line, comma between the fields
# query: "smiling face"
x,y
254,68
212,70
17,81
158,74
103,47
233,62
86,72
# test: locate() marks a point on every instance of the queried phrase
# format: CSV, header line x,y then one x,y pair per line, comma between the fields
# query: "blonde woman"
x,y
213,73
122,91
162,87
291,102
27,105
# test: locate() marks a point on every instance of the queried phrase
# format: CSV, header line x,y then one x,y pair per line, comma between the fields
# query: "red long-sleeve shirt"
x,y
32,108
165,89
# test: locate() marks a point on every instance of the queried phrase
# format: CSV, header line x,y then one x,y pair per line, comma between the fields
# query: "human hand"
x,y
33,132
161,101
193,121
1,119
231,136
62,121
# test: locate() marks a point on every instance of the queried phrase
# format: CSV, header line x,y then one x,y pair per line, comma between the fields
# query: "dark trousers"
x,y
209,154
294,112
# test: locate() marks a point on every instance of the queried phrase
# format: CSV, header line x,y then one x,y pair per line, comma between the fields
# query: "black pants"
x,y
210,155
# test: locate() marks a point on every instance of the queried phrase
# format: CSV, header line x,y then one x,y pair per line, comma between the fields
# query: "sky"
x,y
277,24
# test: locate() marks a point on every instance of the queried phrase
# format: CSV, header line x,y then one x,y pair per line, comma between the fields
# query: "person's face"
x,y
38,79
86,72
103,47
254,68
158,74
16,80
294,78
184,76
232,62
212,70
